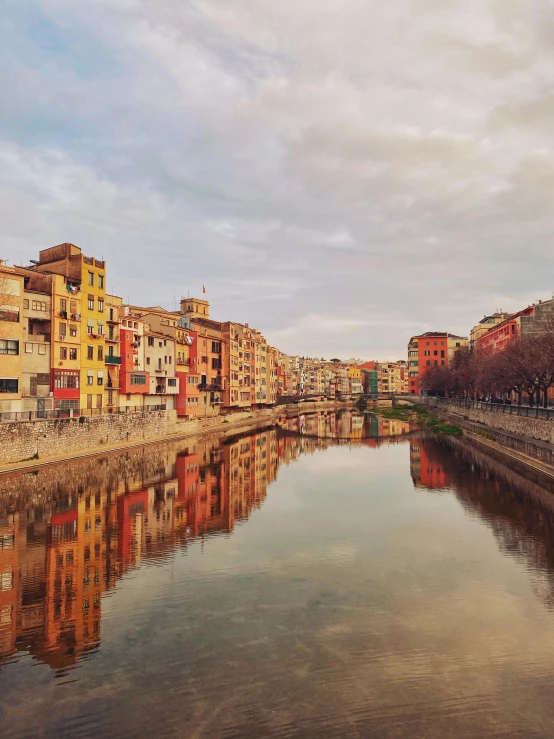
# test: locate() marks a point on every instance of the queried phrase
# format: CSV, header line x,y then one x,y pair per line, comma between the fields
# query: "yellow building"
x,y
355,378
454,344
78,344
112,356
484,325
11,339
93,297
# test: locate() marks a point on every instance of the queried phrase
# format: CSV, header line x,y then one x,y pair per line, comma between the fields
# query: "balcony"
x,y
112,338
111,359
215,387
184,362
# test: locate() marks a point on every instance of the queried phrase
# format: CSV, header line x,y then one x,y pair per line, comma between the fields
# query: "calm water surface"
x,y
341,576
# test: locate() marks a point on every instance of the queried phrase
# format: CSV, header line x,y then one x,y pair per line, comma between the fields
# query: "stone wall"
x,y
23,440
535,428
66,437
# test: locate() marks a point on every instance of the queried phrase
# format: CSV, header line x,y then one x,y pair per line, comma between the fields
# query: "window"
x,y
150,341
100,353
436,362
38,305
73,354
9,385
91,279
428,363
9,346
9,313
100,378
101,281
138,379
427,353
442,353
435,353
216,347
63,352
172,382
72,330
170,359
91,302
147,360
442,361
63,331
90,352
25,303
41,349
90,377
100,305
66,380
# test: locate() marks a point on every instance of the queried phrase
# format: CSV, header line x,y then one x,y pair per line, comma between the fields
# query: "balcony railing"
x,y
112,338
185,362
111,359
211,387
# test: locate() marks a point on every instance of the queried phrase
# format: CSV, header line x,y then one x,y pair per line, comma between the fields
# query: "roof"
x,y
158,335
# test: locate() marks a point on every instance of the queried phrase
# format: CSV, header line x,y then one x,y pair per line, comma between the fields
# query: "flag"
x,y
203,289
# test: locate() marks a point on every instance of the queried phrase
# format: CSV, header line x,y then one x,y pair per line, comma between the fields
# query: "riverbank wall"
x,y
528,439
25,443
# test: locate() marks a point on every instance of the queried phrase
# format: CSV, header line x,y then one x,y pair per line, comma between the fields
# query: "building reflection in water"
x,y
426,468
65,544
515,501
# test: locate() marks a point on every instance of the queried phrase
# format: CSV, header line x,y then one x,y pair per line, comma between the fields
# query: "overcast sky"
x,y
340,174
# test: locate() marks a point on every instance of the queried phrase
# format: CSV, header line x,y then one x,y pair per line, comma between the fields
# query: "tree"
x,y
437,380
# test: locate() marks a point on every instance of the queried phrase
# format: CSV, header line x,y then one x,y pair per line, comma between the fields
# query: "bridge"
x,y
368,397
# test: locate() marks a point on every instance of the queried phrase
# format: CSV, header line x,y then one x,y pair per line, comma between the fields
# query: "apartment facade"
x,y
425,351
11,338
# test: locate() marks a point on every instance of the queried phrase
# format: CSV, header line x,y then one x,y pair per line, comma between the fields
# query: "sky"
x,y
341,174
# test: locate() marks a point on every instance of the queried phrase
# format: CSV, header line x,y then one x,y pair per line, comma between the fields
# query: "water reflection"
x,y
64,545
515,501
391,583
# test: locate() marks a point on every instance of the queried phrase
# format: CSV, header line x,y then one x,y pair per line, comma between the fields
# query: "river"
x,y
339,576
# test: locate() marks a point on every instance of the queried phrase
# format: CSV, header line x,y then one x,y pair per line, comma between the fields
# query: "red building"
x,y
498,337
425,351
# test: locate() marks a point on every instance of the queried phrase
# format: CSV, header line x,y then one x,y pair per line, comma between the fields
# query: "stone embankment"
x,y
26,444
527,439
534,428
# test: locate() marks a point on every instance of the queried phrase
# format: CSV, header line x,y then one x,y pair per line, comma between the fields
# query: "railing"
x,y
184,361
111,359
48,415
210,387
112,337
496,406
286,399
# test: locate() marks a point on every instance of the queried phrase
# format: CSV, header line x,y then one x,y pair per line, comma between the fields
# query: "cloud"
x,y
348,173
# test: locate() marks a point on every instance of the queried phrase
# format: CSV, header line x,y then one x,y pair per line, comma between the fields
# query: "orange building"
x,y
431,349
